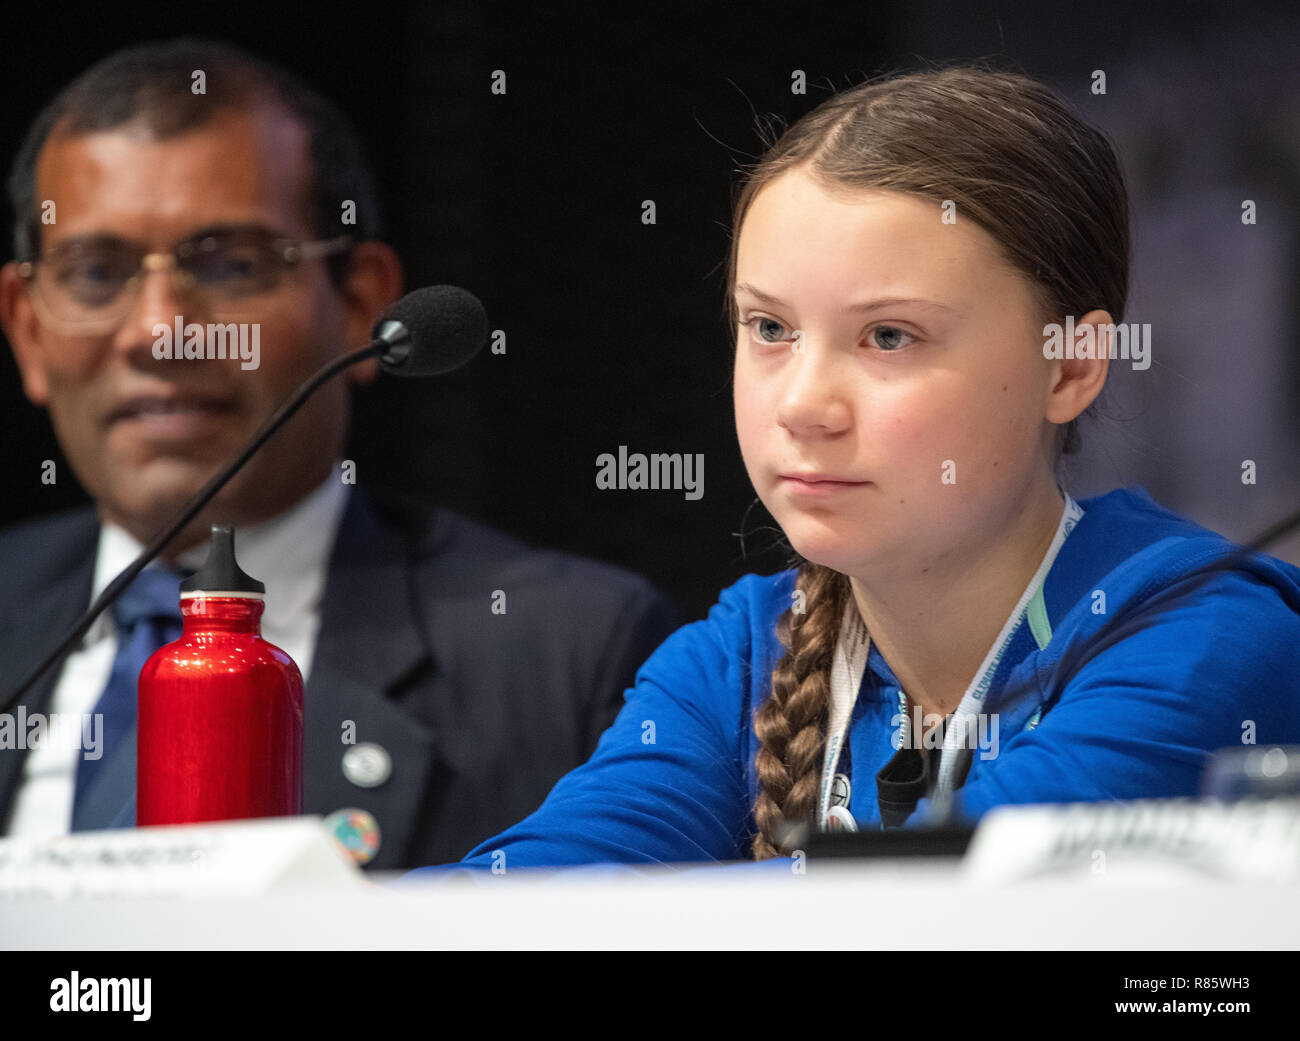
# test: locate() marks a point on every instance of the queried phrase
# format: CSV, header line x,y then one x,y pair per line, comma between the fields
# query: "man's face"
x,y
144,434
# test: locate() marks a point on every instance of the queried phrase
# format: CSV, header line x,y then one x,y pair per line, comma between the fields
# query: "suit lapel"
x,y
368,645
47,596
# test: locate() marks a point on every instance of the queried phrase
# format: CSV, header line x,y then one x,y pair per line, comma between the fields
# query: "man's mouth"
x,y
184,418
145,406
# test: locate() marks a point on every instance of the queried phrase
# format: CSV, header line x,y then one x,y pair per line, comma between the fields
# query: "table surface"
x,y
884,904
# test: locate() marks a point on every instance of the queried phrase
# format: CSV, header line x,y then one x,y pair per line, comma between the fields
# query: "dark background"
x,y
615,330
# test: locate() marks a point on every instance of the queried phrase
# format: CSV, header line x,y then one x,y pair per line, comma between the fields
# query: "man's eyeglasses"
x,y
91,284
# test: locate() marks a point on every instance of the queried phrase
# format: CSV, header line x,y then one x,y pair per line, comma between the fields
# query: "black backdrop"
x,y
615,330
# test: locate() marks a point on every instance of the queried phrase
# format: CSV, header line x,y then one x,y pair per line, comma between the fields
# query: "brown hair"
x,y
1017,161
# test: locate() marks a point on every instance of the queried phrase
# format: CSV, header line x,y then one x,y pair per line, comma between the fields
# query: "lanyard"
x,y
850,662
847,667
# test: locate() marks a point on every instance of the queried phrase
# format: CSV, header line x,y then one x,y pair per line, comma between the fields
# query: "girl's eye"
x,y
890,338
886,338
767,329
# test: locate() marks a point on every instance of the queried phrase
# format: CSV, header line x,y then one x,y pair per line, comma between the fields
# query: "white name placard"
x,y
1156,839
229,859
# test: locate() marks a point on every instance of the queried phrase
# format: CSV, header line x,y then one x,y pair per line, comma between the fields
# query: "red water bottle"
x,y
220,710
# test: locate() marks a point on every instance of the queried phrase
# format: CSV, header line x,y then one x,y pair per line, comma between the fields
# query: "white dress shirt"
x,y
289,553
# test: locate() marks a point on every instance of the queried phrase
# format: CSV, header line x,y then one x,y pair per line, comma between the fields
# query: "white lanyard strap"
x,y
850,662
847,668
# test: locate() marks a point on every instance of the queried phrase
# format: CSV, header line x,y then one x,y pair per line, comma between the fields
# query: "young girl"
x,y
901,258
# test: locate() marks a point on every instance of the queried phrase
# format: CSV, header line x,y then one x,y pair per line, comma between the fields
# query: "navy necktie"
x,y
147,616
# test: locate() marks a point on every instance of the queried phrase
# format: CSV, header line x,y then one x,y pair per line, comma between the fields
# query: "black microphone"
x,y
431,331
428,332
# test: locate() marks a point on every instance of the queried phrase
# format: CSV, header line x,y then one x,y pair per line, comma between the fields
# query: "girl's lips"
x,y
815,484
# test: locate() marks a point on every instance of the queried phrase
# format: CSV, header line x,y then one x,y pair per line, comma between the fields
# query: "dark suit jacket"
x,y
481,713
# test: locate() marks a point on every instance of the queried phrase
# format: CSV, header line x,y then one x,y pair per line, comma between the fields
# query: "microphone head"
x,y
431,331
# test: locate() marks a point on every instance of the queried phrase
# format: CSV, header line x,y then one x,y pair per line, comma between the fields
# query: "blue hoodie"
x,y
673,778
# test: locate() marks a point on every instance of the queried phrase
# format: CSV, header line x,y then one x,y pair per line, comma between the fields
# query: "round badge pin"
x,y
840,790
367,765
356,832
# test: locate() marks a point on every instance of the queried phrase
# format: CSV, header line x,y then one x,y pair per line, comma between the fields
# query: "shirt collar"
x,y
286,552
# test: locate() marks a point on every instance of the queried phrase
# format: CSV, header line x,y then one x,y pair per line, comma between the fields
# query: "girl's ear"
x,y
1077,379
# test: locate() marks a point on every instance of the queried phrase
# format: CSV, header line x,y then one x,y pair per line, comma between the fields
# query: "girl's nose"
x,y
813,399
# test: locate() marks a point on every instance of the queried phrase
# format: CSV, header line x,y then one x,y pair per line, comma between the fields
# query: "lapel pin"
x,y
356,832
367,765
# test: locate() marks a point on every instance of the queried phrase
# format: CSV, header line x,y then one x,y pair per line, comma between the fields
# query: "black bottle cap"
x,y
221,573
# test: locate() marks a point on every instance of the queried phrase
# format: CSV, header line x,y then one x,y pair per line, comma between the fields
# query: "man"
x,y
451,674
